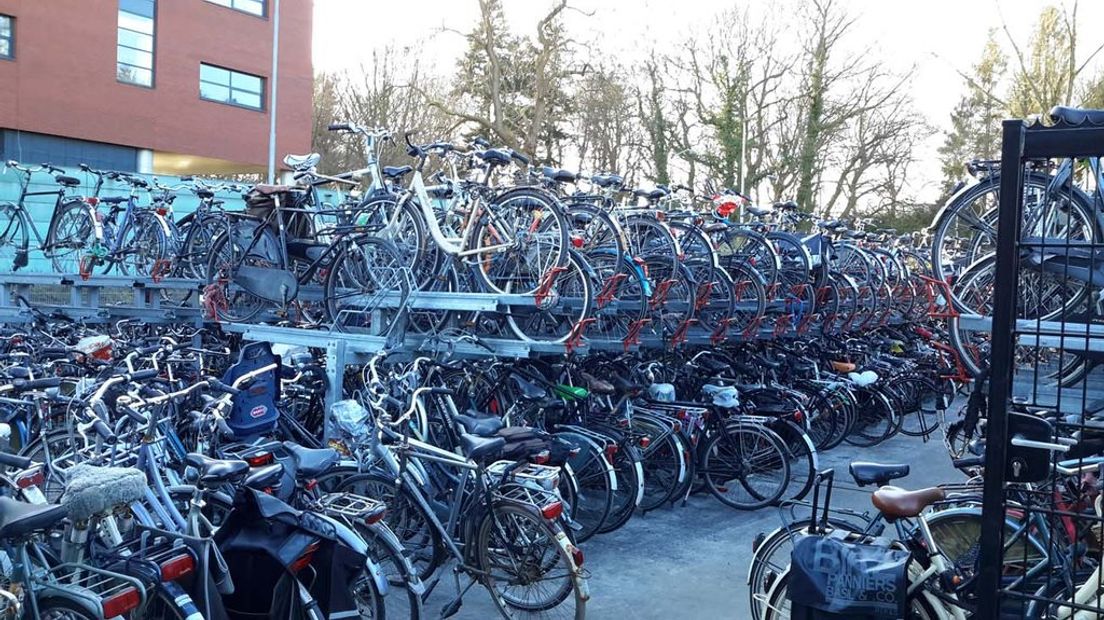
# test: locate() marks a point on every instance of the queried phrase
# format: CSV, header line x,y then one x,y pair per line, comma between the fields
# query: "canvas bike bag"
x,y
833,579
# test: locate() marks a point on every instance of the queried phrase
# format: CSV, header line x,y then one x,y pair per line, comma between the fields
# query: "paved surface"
x,y
691,562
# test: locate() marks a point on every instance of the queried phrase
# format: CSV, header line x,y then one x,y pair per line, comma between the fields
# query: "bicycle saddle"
x,y
896,503
864,378
265,477
715,227
397,172
528,390
480,449
1076,116
558,175
300,162
479,426
607,180
215,471
864,473
311,462
67,181
92,490
594,385
650,194
19,518
758,211
622,384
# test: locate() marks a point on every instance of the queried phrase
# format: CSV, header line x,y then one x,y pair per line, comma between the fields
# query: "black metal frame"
x,y
1003,461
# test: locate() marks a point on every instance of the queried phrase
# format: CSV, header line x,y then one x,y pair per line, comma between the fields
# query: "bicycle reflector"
x,y
552,511
30,478
121,602
542,457
259,459
577,556
92,200
305,559
176,567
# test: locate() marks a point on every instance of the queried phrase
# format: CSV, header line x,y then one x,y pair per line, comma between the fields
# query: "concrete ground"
x,y
691,562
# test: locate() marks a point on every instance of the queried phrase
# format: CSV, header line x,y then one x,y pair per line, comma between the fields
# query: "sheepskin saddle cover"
x,y
92,490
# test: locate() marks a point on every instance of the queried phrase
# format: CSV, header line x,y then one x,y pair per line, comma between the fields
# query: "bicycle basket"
x,y
834,579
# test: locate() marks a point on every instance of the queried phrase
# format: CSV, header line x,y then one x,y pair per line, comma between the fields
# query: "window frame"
x,y
152,52
262,94
230,5
10,38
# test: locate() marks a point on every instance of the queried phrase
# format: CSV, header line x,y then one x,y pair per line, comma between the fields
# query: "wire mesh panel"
x,y
1041,547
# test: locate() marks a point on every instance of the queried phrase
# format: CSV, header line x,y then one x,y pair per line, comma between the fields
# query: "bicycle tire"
x,y
768,453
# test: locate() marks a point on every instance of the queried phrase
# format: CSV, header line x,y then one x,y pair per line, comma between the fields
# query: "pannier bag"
x,y
261,201
831,579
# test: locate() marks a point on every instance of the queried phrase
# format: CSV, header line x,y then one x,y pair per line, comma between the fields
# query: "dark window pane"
x,y
227,86
5,36
5,48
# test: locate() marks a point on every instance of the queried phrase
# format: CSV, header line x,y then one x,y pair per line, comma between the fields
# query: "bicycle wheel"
x,y
529,570
662,461
520,239
750,298
367,285
966,229
71,238
595,485
745,466
876,419
241,244
738,246
916,401
199,235
405,517
627,496
621,294
801,453
404,228
405,588
567,303
14,238
143,244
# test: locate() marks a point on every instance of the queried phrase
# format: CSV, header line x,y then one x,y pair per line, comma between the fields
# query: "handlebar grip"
x,y
339,127
972,461
222,387
522,159
442,391
481,142
133,414
14,460
147,350
103,430
34,384
142,375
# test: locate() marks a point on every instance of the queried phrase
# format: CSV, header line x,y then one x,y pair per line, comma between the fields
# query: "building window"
x,y
233,87
253,7
134,62
7,36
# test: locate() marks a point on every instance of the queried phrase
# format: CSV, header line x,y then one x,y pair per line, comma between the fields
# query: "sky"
x,y
929,40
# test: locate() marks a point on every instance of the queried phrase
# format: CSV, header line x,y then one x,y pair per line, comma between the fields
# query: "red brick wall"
x,y
62,80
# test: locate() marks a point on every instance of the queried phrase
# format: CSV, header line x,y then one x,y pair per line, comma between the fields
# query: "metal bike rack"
x,y
1027,355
